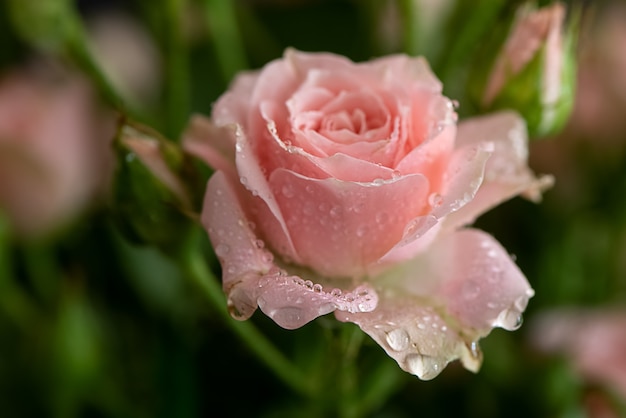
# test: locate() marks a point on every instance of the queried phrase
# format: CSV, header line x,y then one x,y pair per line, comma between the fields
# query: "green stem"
x,y
177,87
222,21
410,26
13,301
352,338
379,386
79,51
198,271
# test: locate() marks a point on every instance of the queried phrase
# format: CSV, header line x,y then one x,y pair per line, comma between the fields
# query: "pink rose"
x,y
343,187
594,341
54,152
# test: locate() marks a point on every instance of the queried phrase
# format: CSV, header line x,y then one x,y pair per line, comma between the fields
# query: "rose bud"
x,y
152,201
345,187
534,71
54,155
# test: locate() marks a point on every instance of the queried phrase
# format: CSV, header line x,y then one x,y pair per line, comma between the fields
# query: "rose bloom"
x,y
345,187
53,149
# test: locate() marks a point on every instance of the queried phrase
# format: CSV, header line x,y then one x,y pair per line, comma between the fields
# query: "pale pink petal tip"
x,y
250,277
417,337
471,287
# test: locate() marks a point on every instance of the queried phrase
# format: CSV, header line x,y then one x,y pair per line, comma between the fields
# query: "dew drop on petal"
x,y
382,218
509,319
398,339
287,315
471,290
268,257
471,356
424,367
221,250
287,191
435,200
335,292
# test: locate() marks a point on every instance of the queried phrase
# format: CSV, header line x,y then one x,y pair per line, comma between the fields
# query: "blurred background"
x,y
99,319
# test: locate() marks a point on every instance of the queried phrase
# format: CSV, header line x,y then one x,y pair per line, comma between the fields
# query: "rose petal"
x,y
251,279
234,105
436,306
506,173
338,227
213,145
463,177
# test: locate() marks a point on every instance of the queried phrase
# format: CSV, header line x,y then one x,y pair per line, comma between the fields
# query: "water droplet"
x,y
287,315
358,208
521,303
243,180
361,231
317,288
435,200
471,290
239,146
382,218
287,191
424,367
267,257
335,211
259,243
398,339
471,356
335,292
219,192
509,319
221,250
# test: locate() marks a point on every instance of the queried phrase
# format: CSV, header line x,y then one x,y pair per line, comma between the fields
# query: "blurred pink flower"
x,y
593,341
601,94
345,187
53,149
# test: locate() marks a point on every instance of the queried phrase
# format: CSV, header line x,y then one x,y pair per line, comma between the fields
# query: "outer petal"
x,y
214,145
461,181
506,173
339,228
250,277
435,307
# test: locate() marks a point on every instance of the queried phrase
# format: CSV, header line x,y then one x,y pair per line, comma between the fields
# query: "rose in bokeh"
x,y
594,342
53,148
345,187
